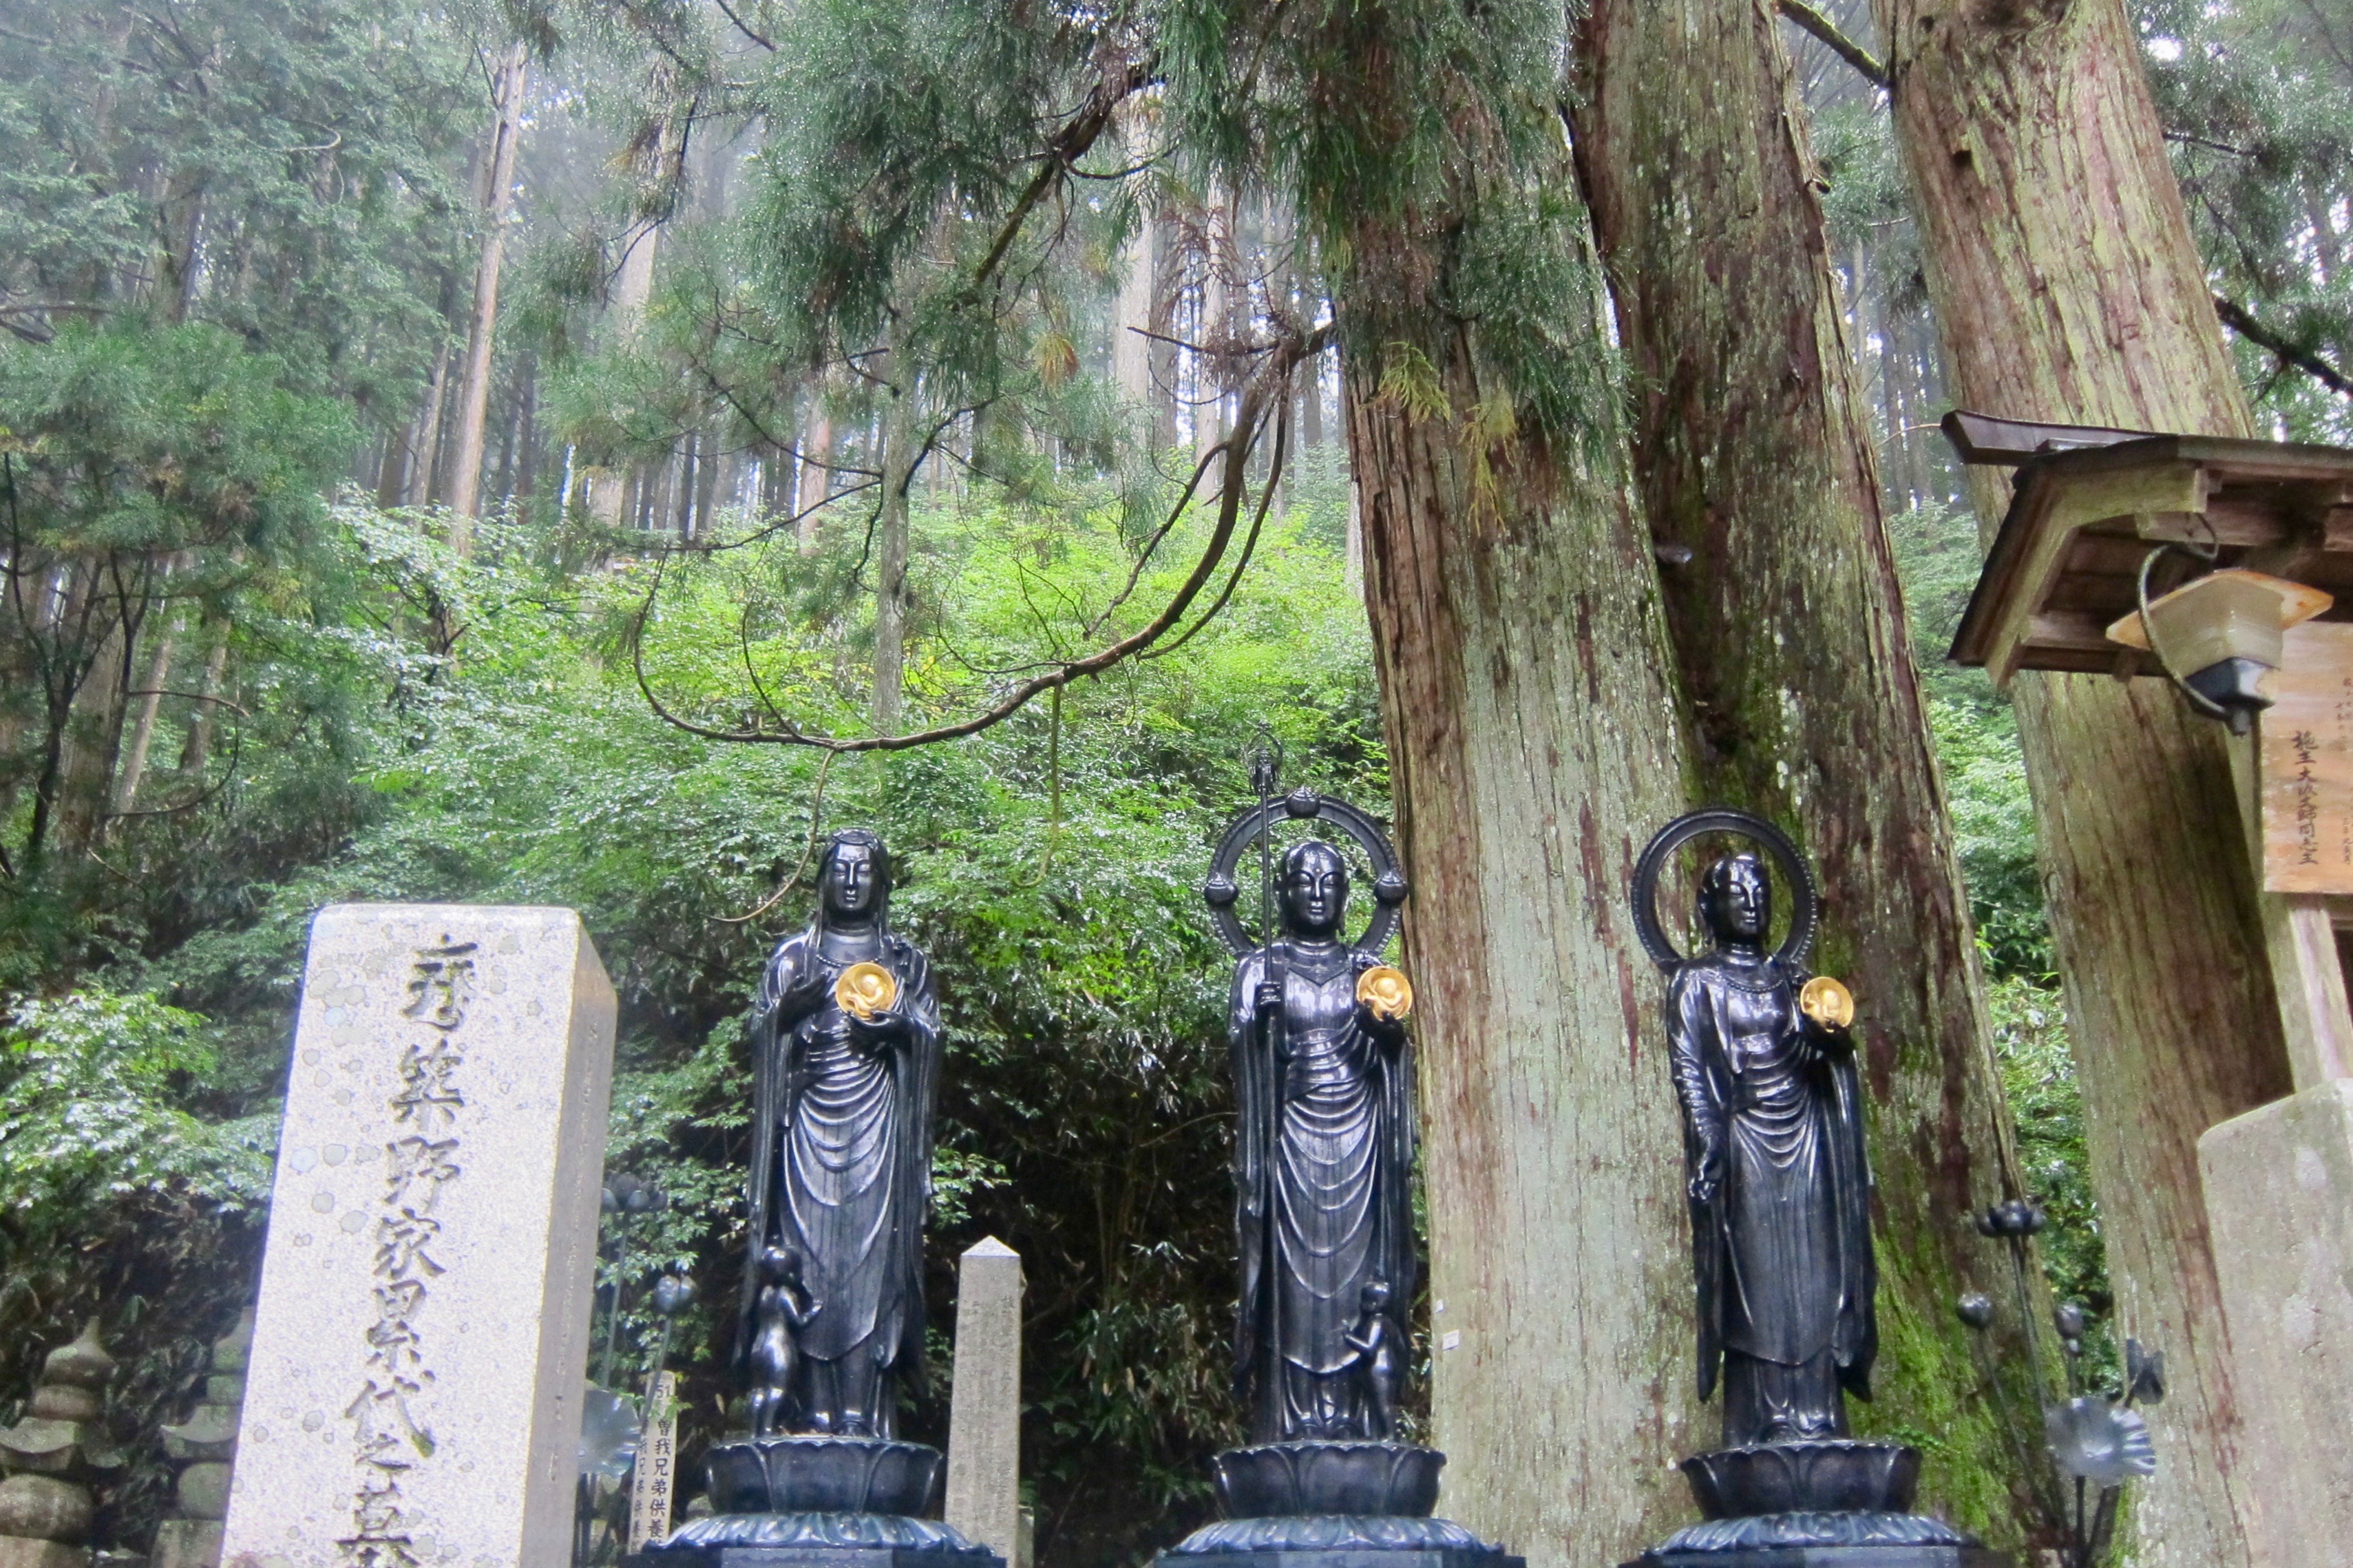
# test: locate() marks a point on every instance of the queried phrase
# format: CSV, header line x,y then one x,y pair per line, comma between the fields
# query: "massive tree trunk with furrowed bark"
x,y
1523,681
2064,274
1755,465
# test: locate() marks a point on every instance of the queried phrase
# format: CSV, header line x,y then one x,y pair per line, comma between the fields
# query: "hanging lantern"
x,y
2219,636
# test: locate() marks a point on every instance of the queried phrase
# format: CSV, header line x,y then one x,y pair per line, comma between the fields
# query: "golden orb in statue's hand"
x,y
1386,991
864,990
1827,1003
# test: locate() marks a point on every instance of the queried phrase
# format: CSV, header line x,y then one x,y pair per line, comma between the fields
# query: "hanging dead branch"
x,y
1266,394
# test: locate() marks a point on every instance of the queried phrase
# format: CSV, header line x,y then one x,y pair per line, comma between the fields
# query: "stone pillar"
x,y
207,1444
985,1412
2277,1185
421,1340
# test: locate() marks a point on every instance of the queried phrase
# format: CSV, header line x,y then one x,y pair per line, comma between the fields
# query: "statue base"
x,y
814,1540
1331,1505
1826,1557
819,1474
1285,1479
818,1502
1830,1502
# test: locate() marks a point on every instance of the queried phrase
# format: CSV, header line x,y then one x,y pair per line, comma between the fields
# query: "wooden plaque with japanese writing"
x,y
2308,763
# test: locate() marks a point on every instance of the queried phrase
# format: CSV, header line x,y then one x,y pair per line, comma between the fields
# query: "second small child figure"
x,y
1375,1342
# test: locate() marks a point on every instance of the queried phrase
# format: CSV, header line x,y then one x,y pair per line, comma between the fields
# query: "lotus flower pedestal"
x,y
819,1502
1331,1505
1824,1503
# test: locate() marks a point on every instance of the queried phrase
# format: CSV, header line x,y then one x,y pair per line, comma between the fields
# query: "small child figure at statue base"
x,y
783,1310
1378,1362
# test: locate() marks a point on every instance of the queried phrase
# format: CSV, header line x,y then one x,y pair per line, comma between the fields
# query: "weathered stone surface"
x,y
17,1552
984,1493
204,1491
62,1402
2279,1201
81,1363
187,1543
420,1341
233,1350
42,1507
47,1446
210,1433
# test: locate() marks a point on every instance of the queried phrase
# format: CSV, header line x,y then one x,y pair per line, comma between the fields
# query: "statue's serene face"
x,y
1314,889
850,880
1740,905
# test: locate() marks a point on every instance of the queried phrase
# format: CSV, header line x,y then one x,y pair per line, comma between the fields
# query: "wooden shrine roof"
x,y
2090,504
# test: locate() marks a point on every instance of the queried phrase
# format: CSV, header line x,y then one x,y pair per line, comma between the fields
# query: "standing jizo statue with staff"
x,y
1323,1151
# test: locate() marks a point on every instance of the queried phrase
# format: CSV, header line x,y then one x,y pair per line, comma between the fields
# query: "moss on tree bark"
x,y
1756,471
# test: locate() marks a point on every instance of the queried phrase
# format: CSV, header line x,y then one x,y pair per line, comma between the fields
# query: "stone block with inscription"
x,y
421,1342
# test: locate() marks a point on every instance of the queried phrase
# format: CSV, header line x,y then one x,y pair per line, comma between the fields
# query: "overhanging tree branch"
x,y
1264,393
1827,32
1069,144
2235,317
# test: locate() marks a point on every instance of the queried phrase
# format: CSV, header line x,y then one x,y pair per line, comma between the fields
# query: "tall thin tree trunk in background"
x,y
815,476
1211,377
1131,350
526,469
498,194
143,730
93,739
1756,468
709,462
416,485
2068,288
196,749
891,544
633,285
1161,364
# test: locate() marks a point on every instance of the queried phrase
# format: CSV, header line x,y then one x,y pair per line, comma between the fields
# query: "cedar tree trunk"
x,y
1756,468
2062,271
474,401
1533,751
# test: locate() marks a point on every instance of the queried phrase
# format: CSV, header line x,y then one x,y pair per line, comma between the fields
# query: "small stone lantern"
x,y
205,1443
52,1455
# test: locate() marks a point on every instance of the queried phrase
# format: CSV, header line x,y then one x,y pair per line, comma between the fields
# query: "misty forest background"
x,y
397,403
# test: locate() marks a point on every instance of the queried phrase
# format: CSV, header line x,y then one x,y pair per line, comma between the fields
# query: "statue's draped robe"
x,y
1782,1250
1324,1161
841,1164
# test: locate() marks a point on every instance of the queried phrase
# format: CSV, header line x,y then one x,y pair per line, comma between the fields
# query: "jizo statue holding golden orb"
x,y
1779,1187
846,1045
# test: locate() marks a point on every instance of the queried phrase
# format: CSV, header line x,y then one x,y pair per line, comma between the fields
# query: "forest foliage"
x,y
251,667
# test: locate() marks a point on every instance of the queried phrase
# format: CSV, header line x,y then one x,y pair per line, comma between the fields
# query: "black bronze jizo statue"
x,y
1322,1164
1779,1189
846,1055
1780,1196
1323,1151
846,1061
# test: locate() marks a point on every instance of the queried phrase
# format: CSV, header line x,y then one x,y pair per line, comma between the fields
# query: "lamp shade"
x,y
2222,615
